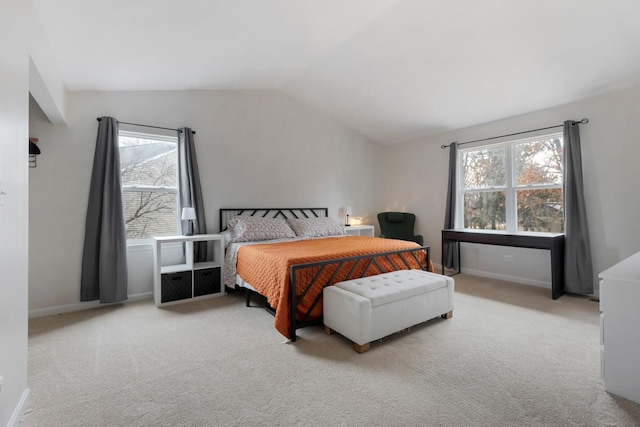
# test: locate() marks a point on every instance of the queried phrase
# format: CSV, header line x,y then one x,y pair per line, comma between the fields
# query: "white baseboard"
x,y
40,312
491,275
514,279
20,409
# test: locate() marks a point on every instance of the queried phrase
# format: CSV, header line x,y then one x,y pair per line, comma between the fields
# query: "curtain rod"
x,y
148,126
581,122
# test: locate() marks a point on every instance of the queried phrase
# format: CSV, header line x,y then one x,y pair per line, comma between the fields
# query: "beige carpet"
x,y
510,356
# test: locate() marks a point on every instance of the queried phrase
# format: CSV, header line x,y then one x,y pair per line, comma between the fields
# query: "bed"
x,y
288,256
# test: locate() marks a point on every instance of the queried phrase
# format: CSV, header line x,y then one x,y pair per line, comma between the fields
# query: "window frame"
x,y
140,188
510,187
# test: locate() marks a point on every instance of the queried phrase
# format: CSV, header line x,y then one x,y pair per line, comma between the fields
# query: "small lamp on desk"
x,y
347,212
189,214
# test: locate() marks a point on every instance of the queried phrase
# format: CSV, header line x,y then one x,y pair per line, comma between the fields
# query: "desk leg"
x,y
442,254
457,243
557,268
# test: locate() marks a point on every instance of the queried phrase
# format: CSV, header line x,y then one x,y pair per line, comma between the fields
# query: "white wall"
x,y
415,178
264,148
22,43
14,187
255,148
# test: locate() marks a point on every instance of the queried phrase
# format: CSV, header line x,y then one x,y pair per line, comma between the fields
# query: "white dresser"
x,y
620,328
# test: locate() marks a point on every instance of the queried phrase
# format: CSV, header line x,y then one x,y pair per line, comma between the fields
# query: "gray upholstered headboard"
x,y
227,213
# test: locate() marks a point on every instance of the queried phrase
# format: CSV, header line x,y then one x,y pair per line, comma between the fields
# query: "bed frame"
x,y
227,213
351,267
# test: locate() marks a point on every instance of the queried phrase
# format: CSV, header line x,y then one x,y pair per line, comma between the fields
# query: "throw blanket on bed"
x,y
266,268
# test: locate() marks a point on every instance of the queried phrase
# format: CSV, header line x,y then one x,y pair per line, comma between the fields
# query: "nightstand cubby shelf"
x,y
359,230
177,278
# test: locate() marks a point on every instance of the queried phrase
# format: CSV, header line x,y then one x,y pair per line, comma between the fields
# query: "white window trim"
x,y
146,135
510,188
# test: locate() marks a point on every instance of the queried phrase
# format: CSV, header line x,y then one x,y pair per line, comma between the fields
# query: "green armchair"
x,y
398,225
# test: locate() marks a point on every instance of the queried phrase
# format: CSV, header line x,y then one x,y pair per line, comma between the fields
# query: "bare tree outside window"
x,y
483,171
149,185
525,191
539,172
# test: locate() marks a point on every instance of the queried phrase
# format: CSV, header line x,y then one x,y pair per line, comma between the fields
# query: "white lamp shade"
x,y
188,213
347,210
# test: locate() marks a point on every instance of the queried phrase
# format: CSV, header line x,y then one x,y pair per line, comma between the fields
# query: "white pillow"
x,y
252,228
316,227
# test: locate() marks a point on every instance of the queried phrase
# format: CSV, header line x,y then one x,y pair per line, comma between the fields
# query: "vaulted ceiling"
x,y
393,70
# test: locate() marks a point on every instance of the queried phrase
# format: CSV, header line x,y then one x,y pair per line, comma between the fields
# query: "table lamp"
x,y
347,212
189,214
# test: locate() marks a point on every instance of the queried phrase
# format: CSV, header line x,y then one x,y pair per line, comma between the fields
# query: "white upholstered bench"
x,y
374,307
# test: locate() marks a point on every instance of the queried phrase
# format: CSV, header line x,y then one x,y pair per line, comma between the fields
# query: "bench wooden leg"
x,y
361,348
328,330
448,315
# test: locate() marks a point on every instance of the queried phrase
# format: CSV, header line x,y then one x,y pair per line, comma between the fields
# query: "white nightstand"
x,y
360,230
177,278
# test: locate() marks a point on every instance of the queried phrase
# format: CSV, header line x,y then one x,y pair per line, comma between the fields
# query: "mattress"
x,y
267,268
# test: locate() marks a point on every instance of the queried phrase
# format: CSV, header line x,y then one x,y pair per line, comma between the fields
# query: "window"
x,y
148,164
513,186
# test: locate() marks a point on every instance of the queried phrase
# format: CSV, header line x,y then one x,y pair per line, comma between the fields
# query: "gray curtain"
x,y
449,254
578,268
190,189
104,260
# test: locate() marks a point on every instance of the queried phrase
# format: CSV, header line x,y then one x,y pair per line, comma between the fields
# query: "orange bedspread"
x,y
266,267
